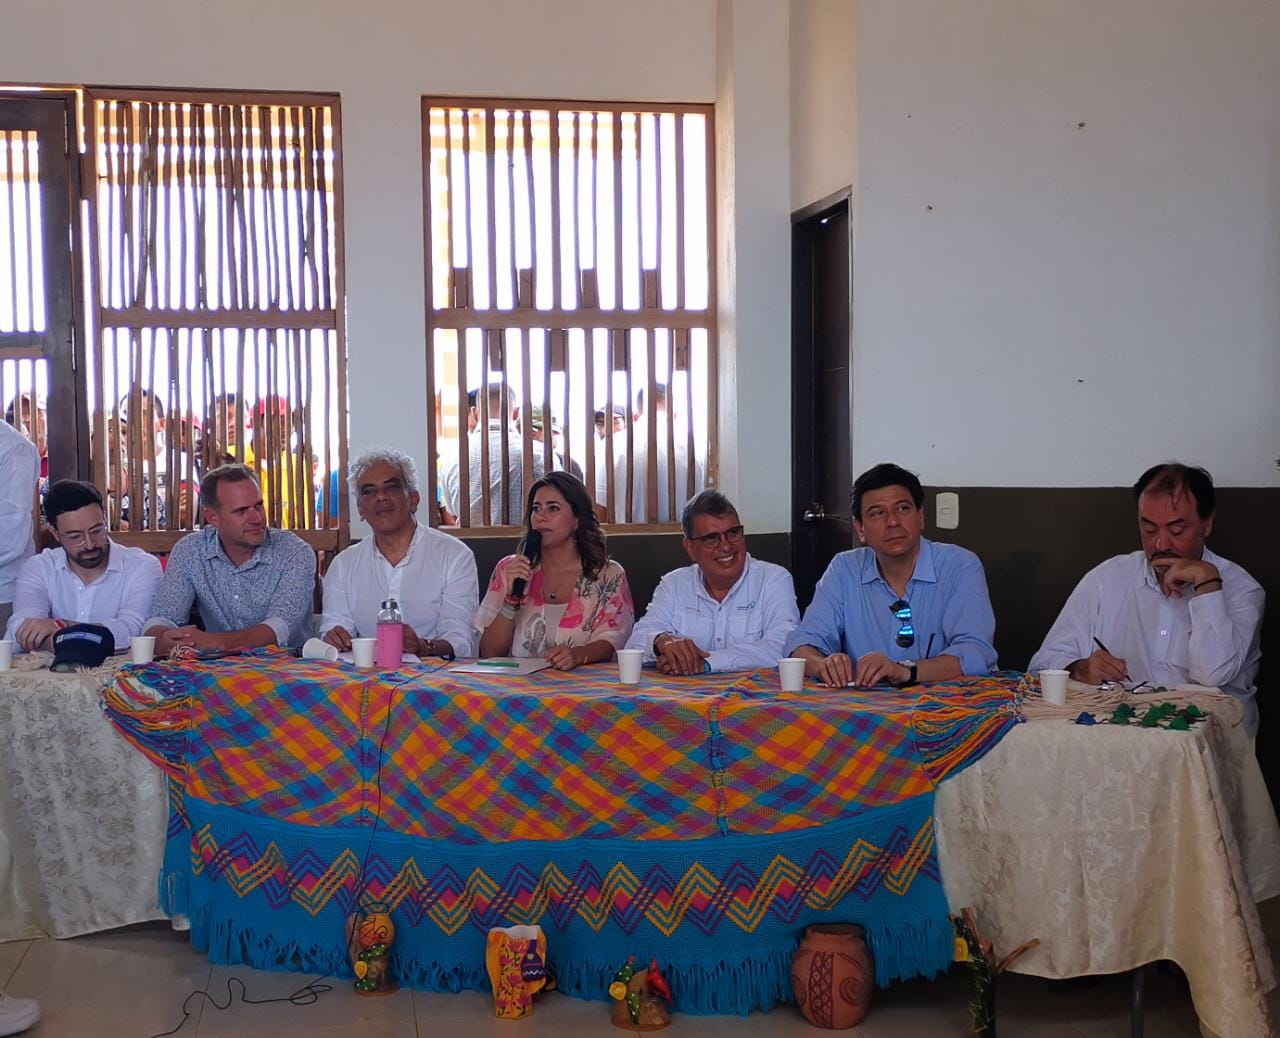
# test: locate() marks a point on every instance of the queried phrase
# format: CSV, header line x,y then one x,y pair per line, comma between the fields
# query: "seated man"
x,y
87,579
1173,613
430,574
727,611
254,585
902,609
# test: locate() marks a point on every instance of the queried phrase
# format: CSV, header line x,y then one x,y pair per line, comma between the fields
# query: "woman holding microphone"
x,y
561,597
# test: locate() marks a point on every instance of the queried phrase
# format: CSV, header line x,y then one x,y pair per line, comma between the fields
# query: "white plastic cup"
x,y
6,654
142,648
319,649
362,651
791,674
629,663
1053,686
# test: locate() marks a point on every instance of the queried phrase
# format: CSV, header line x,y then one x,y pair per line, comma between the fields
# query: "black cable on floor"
x,y
306,995
310,992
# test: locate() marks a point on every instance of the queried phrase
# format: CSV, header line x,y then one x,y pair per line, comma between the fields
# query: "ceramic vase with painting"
x,y
832,975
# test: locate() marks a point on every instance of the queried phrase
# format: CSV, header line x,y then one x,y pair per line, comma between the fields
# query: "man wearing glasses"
x,y
902,609
431,575
727,611
86,579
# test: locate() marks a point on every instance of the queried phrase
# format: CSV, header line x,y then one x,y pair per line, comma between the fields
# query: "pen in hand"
x,y
1098,642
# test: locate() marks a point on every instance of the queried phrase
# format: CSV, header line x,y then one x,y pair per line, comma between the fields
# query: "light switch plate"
x,y
948,510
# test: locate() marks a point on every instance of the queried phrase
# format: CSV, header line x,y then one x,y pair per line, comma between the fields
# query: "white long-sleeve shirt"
x,y
435,586
119,598
668,511
19,474
745,631
1208,639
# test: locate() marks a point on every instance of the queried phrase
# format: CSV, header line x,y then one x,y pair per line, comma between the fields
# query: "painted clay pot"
x,y
832,975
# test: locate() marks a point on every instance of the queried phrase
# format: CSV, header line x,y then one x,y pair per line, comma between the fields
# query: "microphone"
x,y
530,550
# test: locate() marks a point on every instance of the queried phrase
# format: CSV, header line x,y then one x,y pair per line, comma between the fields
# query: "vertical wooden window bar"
x,y
569,279
37,305
216,306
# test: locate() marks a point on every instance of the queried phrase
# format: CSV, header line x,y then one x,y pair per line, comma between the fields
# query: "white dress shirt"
x,y
745,631
435,585
668,511
1208,639
19,474
119,598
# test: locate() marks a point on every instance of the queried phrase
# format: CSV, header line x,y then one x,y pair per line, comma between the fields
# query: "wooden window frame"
x,y
271,319
456,312
61,344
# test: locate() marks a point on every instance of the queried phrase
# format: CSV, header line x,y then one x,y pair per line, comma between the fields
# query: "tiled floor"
x,y
133,982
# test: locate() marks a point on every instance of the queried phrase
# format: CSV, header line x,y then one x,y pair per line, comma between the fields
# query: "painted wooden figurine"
x,y
641,997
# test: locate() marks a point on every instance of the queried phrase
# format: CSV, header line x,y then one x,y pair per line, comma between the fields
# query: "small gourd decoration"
x,y
369,938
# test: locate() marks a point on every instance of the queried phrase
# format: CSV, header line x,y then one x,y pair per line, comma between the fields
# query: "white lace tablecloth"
x,y
1119,846
82,814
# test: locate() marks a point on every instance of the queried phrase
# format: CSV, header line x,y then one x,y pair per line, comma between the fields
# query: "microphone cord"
x,y
310,992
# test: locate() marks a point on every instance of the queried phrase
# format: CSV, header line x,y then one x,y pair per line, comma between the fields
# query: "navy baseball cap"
x,y
82,645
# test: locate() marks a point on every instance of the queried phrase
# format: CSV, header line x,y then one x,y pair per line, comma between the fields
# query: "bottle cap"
x,y
390,603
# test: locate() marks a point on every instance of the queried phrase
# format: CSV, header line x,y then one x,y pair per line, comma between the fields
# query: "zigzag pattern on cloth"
x,y
705,819
740,895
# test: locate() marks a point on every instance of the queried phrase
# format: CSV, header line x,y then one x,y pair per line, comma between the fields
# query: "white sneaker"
x,y
17,1014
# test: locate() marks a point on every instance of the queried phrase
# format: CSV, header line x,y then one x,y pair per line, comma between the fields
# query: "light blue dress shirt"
x,y
949,604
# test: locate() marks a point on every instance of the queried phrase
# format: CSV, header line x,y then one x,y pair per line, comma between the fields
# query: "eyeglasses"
x,y
392,487
906,633
77,539
1110,686
733,535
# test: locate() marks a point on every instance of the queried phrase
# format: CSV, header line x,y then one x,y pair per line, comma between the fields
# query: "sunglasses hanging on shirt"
x,y
906,636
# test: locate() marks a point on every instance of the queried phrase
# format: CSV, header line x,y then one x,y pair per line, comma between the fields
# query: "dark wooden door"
x,y
822,436
39,351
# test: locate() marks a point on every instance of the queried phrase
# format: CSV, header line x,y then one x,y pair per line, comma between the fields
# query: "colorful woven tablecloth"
x,y
704,821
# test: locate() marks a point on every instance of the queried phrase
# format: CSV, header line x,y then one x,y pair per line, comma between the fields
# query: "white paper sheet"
x,y
500,665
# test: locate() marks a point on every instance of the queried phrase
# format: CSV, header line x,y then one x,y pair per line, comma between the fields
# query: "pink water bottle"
x,y
390,636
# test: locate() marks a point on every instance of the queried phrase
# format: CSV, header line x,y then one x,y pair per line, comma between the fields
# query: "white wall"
x,y
824,101
754,261
1067,231
381,58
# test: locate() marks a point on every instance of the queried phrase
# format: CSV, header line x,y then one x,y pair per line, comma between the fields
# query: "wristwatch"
x,y
429,647
911,675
